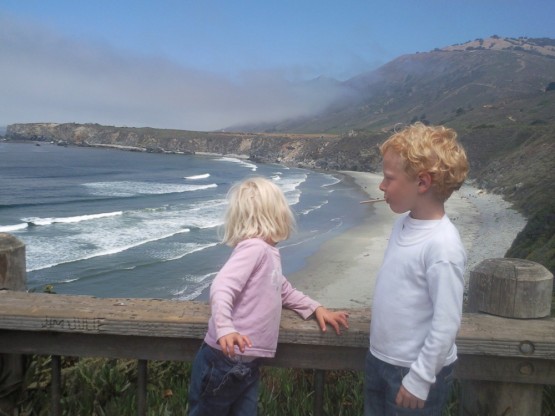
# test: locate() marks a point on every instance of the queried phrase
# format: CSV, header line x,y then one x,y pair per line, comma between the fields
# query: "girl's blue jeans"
x,y
223,386
382,382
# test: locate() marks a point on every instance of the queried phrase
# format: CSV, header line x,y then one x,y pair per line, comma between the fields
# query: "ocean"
x,y
113,223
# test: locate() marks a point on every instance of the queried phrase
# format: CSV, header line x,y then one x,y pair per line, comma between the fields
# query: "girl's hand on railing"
x,y
334,318
228,342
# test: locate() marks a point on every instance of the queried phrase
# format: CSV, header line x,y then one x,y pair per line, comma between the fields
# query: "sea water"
x,y
112,223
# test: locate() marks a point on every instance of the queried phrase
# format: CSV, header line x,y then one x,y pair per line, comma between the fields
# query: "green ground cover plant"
x,y
107,387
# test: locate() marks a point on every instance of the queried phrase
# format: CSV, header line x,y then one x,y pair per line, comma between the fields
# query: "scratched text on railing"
x,y
73,324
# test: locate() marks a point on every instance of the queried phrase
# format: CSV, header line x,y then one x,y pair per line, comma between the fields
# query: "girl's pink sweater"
x,y
248,294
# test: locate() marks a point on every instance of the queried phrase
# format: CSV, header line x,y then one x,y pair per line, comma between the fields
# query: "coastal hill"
x,y
498,93
498,81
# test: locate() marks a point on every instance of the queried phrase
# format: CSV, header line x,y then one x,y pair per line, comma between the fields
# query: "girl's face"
x,y
400,190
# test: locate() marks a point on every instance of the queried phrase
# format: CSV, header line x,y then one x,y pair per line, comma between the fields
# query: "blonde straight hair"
x,y
257,209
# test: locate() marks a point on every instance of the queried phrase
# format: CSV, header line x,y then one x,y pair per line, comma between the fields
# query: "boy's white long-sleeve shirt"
x,y
248,294
417,306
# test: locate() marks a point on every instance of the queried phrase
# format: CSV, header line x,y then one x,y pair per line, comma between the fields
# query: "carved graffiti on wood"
x,y
73,324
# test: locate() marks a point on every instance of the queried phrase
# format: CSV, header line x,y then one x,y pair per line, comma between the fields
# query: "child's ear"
x,y
424,181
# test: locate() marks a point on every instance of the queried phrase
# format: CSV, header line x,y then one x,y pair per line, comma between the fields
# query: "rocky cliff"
x,y
349,152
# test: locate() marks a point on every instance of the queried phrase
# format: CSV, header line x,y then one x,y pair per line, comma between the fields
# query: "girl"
x,y
246,299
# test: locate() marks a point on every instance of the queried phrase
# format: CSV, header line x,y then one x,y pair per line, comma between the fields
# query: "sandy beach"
x,y
343,271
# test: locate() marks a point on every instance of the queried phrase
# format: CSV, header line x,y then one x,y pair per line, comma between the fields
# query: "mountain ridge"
x,y
459,84
542,46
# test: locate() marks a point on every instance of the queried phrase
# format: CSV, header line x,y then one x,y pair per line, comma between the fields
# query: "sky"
x,y
211,64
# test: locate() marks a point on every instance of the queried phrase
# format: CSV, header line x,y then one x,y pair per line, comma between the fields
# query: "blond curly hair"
x,y
431,149
257,208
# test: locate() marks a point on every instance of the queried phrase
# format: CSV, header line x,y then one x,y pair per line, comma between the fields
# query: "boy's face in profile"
x,y
400,190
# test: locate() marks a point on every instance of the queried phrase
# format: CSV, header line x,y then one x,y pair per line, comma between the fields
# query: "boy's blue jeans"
x,y
382,382
222,386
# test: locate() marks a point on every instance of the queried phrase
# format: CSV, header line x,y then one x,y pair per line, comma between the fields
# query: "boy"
x,y
417,304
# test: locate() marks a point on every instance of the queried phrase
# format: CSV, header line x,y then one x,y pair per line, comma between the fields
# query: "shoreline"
x,y
342,273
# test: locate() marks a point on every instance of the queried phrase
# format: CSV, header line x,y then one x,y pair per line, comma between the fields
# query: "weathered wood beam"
x,y
490,347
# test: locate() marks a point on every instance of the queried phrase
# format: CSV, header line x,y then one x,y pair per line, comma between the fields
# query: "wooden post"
x,y
12,263
12,277
511,288
319,383
142,381
56,386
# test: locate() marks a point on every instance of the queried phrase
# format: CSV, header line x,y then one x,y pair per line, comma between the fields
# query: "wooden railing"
x,y
502,361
